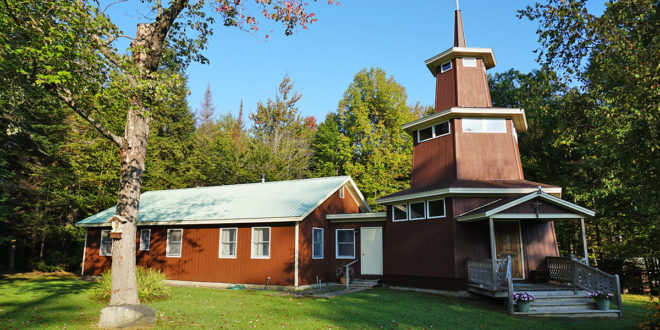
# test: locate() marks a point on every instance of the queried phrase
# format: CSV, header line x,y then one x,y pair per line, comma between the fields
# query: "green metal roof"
x,y
253,202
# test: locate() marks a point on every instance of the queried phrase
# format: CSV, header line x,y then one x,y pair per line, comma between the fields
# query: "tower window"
x,y
469,62
433,132
445,67
483,125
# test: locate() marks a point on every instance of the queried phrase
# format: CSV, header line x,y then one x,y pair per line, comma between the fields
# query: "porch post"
x,y
584,242
493,254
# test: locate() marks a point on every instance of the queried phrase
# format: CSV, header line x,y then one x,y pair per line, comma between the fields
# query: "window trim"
x,y
341,192
444,208
167,244
442,69
410,213
400,220
235,244
322,243
337,256
433,134
101,244
252,242
148,242
483,125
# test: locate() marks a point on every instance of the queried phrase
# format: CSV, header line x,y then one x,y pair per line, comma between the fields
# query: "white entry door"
x,y
371,246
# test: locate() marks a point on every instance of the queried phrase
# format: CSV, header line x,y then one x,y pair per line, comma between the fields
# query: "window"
x,y
145,239
399,212
469,62
227,242
341,192
417,211
445,67
436,208
345,244
261,243
174,238
317,243
106,244
482,125
433,132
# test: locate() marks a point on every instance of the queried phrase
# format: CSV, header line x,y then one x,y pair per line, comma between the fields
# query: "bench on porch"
x,y
567,294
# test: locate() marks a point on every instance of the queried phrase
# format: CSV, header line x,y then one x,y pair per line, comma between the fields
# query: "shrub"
x,y
150,283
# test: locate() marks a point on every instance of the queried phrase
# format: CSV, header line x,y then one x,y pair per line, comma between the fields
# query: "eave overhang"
x,y
448,192
356,217
515,114
486,54
198,222
573,211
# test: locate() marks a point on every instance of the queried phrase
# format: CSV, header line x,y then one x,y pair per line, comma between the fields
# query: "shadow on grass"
x,y
31,301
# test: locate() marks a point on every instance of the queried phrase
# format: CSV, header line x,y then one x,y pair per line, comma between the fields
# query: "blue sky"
x,y
396,36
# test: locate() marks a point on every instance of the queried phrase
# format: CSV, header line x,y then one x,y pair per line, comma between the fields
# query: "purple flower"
x,y
601,295
523,296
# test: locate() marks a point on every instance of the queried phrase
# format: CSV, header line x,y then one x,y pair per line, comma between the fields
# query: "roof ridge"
x,y
250,183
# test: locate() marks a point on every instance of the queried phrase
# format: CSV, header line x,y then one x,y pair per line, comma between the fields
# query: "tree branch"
x,y
67,98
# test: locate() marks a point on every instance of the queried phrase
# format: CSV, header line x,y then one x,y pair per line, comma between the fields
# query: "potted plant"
x,y
602,299
341,273
523,300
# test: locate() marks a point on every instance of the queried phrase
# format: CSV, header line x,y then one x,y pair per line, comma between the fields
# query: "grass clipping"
x,y
150,284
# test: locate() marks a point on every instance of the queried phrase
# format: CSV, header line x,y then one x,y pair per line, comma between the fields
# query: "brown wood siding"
x,y
433,160
445,89
539,242
472,85
419,248
486,156
199,259
309,268
472,239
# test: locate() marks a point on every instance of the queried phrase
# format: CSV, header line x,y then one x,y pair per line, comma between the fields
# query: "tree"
x,y
365,140
206,112
66,49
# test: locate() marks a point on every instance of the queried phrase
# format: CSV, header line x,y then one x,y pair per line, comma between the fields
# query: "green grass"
x,y
61,302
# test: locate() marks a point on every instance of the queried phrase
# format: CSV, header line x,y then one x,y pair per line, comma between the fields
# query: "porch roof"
x,y
497,208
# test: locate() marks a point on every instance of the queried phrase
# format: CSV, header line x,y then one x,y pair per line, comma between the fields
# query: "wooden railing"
x,y
481,272
585,277
348,272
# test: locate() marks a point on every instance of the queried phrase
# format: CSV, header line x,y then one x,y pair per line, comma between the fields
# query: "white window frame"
x,y
148,241
337,256
433,133
101,244
469,62
442,70
220,255
410,210
167,244
341,192
252,250
322,243
407,213
483,125
444,209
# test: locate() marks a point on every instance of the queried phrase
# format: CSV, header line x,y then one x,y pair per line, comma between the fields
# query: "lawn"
x,y
33,301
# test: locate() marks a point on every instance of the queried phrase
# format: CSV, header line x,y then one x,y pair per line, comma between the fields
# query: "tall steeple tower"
x,y
466,138
460,72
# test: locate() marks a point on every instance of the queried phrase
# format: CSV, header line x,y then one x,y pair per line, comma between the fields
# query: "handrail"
x,y
584,276
481,272
348,277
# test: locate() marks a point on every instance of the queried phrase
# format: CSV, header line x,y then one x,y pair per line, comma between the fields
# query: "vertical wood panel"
x,y
433,161
472,85
445,89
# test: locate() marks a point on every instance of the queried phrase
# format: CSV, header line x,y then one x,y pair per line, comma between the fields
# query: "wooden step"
x,y
572,313
559,306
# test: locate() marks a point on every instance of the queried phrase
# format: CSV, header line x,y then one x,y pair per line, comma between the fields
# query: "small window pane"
x,y
472,125
437,208
261,243
400,212
469,62
495,125
446,67
106,243
345,243
442,129
145,238
425,134
228,243
173,248
317,243
417,210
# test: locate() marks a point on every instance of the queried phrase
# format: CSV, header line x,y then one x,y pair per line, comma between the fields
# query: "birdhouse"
x,y
117,223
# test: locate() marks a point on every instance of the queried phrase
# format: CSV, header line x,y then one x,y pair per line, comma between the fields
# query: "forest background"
x,y
594,121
